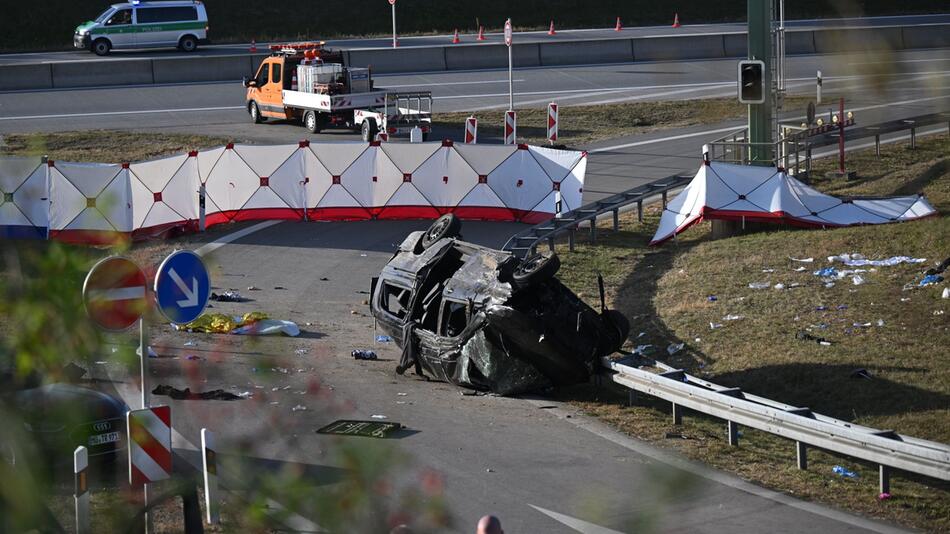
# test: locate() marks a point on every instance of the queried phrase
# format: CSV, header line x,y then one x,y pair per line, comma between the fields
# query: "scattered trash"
x,y
861,373
884,496
759,285
674,348
489,470
803,260
674,435
712,298
298,408
829,284
324,279
280,287
301,352
944,265
838,470
905,299
401,394
366,429
857,279
768,270
880,322
861,325
360,354
946,293
841,307
827,272
379,417
268,327
192,357
383,339
938,312
799,269
732,317
858,260
778,286
187,394
151,353
245,394
713,326
253,288
805,336
930,280
228,296
821,308
641,335
642,350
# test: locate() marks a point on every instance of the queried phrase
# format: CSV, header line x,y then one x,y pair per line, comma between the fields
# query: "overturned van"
x,y
485,319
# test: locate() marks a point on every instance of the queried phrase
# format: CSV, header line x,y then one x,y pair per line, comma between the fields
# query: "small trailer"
x,y
310,83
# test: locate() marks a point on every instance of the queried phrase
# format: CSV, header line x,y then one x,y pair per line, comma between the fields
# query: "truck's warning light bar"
x,y
297,48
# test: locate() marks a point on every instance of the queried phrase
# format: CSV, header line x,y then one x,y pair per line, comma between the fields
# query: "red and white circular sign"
x,y
508,32
392,2
114,293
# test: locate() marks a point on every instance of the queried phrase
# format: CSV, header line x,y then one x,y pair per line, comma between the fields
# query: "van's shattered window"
x,y
454,319
396,300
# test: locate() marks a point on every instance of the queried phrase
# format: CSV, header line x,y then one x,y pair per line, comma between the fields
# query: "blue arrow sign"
x,y
182,287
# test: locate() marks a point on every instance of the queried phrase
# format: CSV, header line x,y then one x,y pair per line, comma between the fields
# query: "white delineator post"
x,y
393,4
511,127
552,122
81,489
818,87
471,130
210,469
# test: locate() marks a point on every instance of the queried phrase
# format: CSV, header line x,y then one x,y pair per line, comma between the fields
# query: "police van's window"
x,y
102,17
275,73
123,16
166,14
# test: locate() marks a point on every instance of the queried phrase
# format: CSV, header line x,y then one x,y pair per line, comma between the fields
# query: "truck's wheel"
x,y
255,113
101,47
369,130
188,43
535,269
311,122
447,225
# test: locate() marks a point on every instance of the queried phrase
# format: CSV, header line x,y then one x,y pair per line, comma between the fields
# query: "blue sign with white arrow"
x,y
182,287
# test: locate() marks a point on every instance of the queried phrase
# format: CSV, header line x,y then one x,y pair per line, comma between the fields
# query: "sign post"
x,y
511,100
393,4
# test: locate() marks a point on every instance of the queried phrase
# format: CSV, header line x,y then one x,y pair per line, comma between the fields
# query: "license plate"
x,y
102,439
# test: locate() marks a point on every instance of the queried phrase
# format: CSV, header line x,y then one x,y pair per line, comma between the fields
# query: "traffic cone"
x,y
676,20
456,40
253,48
618,27
551,31
481,33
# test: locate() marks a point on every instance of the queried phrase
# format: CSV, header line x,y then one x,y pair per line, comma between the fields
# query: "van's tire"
x,y
101,47
620,329
255,113
188,43
312,122
447,225
535,269
369,130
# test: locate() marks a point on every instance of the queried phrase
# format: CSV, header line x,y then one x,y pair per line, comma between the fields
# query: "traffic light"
x,y
751,81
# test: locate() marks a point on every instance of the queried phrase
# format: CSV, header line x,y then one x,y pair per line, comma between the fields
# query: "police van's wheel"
x,y
311,122
188,43
101,47
255,113
447,225
369,130
535,269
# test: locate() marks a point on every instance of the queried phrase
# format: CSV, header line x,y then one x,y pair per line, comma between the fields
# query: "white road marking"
x,y
224,240
112,113
426,83
118,293
574,523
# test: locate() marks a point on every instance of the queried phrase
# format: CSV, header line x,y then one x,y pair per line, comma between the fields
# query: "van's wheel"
x,y
535,269
101,47
621,329
447,225
369,130
188,43
311,122
255,112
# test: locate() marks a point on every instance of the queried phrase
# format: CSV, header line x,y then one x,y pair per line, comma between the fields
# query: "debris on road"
x,y
379,417
712,298
366,429
299,408
301,352
228,296
187,394
253,323
253,288
805,336
841,471
930,280
858,260
946,293
733,317
191,344
802,260
674,348
383,339
151,352
362,354
760,285
713,326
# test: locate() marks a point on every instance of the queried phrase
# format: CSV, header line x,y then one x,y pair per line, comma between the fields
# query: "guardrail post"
x,y
801,452
677,414
732,430
877,145
616,220
884,477
631,397
664,199
913,138
593,230
639,211
551,243
570,239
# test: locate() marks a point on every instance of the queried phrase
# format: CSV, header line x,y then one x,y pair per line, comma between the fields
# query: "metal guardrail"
x,y
526,242
886,448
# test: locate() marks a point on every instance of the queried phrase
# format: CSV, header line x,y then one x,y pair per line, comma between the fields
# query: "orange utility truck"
x,y
311,83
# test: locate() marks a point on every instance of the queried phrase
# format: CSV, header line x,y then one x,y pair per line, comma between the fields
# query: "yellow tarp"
x,y
221,323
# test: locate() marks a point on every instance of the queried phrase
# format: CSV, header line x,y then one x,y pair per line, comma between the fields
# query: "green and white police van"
x,y
140,24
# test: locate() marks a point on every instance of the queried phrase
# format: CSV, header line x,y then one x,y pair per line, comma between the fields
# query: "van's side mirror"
x,y
250,83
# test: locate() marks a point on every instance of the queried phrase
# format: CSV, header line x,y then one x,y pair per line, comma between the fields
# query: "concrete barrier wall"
x,y
95,73
931,36
673,48
579,52
31,76
408,59
469,57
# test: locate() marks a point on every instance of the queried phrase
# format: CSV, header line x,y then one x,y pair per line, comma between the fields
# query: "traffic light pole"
x,y
760,47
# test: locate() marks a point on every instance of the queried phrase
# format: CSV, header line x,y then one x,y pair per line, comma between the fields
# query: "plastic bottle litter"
x,y
768,270
379,417
799,269
733,317
945,295
298,408
880,322
838,470
253,288
930,280
191,344
192,357
759,285
713,326
779,286
857,279
383,339
858,260
802,260
712,298
674,348
361,354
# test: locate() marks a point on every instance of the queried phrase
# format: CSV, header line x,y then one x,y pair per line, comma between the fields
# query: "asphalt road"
x,y
490,38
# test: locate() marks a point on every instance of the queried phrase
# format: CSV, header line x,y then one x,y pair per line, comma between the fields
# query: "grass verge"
x,y
664,291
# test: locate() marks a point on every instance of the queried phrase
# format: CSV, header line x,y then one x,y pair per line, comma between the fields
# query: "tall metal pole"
x,y
394,24
760,47
143,346
511,90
